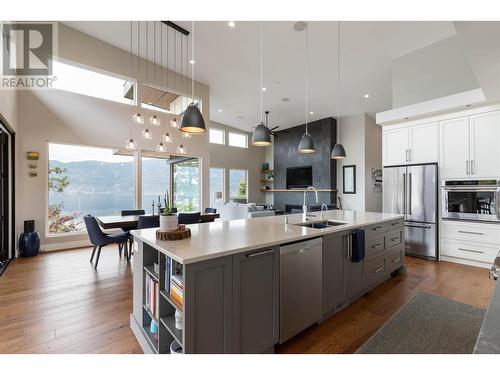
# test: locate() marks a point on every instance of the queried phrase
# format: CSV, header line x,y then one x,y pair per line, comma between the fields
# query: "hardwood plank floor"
x,y
58,303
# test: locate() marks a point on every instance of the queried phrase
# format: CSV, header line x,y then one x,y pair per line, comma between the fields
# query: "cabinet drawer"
x,y
394,237
475,232
395,258
374,271
395,224
375,229
470,250
375,246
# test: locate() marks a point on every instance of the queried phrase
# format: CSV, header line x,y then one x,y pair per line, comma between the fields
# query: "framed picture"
x,y
349,179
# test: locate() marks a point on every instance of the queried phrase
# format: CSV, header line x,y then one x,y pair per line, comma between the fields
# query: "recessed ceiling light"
x,y
299,26
285,99
220,109
311,113
231,24
192,62
240,117
264,89
366,96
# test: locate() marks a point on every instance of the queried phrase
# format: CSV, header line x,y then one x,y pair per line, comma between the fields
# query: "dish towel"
x,y
358,246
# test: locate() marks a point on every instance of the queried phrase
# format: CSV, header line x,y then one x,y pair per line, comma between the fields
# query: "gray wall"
x,y
431,72
229,157
324,168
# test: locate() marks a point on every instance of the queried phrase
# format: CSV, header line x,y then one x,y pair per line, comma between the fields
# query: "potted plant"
x,y
168,219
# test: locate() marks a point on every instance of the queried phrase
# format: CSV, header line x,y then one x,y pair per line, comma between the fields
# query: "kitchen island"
x,y
229,277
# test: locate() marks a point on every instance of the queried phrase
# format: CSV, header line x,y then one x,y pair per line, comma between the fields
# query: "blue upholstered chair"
x,y
210,210
133,212
296,211
189,218
99,239
148,221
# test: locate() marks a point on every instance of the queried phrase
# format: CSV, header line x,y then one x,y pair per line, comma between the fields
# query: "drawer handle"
x,y
378,269
259,254
377,228
394,238
471,251
396,260
399,223
377,246
467,232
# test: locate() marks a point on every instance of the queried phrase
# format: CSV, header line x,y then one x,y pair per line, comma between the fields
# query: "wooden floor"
x,y
58,303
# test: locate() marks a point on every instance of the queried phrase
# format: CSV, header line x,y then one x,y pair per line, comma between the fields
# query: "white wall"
x,y
431,72
63,117
251,159
8,107
362,140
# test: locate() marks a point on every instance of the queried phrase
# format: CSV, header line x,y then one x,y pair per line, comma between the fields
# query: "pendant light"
x,y
181,150
192,120
130,145
261,135
306,145
154,120
146,134
338,151
161,147
167,138
138,118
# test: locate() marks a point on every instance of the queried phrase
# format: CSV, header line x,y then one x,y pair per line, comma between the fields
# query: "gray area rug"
x,y
428,324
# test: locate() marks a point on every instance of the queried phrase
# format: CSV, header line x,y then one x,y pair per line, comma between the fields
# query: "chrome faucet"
x,y
326,209
304,206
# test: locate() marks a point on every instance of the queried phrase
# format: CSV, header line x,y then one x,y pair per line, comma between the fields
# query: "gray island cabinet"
x,y
230,276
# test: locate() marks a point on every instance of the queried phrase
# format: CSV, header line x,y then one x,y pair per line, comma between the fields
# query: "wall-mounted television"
x,y
299,177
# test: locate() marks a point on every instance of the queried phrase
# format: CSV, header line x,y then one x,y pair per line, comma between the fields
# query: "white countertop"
x,y
220,238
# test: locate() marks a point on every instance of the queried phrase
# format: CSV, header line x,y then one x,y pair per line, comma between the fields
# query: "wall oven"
x,y
473,200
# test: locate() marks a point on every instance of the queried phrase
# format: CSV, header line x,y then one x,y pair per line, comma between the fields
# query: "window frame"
x,y
238,134
224,183
229,182
98,71
217,130
47,166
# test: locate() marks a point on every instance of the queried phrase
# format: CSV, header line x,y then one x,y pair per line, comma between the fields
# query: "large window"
x,y
238,183
91,83
186,185
86,180
238,140
216,136
155,182
216,185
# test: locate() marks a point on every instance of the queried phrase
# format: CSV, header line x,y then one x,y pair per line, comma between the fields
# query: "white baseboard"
x,y
65,245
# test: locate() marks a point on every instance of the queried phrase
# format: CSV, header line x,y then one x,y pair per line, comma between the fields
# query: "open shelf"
x,y
151,271
170,300
169,323
151,338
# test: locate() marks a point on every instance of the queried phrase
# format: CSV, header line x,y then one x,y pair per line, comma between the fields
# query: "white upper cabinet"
x,y
455,161
411,145
423,143
485,145
395,146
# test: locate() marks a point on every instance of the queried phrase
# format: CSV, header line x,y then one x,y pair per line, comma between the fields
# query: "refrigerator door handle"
x,y
404,193
409,193
423,226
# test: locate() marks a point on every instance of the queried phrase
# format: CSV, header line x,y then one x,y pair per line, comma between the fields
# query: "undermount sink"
x,y
321,224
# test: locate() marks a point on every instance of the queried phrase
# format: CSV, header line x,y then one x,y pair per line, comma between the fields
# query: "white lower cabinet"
x,y
470,243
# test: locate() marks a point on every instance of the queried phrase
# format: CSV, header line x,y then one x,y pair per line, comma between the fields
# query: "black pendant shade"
x,y
338,152
192,121
306,145
261,136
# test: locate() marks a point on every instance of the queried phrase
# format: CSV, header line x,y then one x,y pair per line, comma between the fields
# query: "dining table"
x,y
129,222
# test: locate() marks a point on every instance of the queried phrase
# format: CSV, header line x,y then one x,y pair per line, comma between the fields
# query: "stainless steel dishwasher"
x,y
301,286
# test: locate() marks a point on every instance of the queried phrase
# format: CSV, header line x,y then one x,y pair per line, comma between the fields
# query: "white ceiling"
x,y
228,61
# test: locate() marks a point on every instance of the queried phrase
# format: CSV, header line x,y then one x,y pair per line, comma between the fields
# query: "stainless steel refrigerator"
x,y
412,190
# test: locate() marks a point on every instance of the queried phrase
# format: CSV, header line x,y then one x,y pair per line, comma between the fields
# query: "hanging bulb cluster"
x,y
167,138
154,120
146,134
138,119
160,147
186,135
174,123
130,145
181,150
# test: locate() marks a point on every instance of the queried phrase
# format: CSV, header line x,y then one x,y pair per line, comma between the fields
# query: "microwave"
x,y
472,200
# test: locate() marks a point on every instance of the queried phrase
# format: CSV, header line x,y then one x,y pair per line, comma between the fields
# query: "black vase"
x,y
29,244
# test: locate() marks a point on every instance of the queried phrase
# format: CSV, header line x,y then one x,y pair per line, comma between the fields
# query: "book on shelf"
x,y
151,295
174,282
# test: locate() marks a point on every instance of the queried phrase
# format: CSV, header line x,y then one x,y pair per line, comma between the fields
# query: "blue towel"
x,y
358,246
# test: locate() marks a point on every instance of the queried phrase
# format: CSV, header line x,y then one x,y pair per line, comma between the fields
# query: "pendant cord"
x,y
307,77
131,71
147,51
194,61
261,79
338,81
